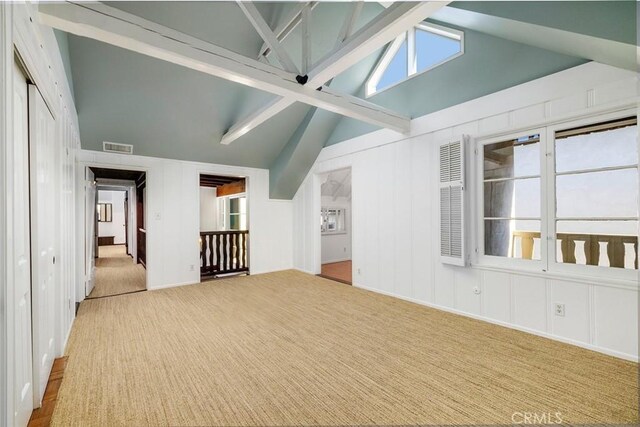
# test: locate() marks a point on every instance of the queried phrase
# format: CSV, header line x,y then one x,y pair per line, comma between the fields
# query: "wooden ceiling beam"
x,y
384,28
118,28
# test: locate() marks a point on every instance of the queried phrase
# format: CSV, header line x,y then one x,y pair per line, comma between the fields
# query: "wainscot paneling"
x,y
395,217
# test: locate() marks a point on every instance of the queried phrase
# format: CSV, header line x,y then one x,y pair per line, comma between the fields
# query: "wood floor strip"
x,y
41,417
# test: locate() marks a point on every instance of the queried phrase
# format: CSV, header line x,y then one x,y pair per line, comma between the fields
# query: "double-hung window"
x,y
563,198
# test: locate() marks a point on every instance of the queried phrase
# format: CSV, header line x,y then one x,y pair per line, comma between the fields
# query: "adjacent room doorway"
x,y
335,225
116,232
224,226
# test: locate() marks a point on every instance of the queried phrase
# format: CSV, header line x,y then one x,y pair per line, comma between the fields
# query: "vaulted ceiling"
x,y
170,111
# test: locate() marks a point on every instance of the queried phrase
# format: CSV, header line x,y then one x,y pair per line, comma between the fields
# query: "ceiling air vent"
x,y
114,147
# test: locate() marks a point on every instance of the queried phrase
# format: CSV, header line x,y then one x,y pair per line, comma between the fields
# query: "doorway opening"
x,y
224,226
335,225
116,232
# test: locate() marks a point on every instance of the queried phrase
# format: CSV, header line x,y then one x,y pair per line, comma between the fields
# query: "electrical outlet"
x,y
359,272
476,290
192,267
559,310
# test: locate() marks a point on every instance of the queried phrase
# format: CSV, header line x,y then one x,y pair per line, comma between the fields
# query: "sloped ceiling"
x,y
165,110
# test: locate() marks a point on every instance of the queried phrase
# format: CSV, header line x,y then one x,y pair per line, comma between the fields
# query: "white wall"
x,y
337,247
208,209
394,182
116,227
172,216
38,49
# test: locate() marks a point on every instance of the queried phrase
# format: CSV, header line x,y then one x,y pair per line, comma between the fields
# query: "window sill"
x,y
632,284
333,233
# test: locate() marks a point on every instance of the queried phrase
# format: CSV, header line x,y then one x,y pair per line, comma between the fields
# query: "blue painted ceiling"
x,y
168,111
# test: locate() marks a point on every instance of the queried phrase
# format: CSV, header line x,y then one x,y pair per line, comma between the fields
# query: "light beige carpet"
x,y
117,273
291,349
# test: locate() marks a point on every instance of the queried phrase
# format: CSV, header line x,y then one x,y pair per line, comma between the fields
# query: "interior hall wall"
x,y
208,209
116,227
172,216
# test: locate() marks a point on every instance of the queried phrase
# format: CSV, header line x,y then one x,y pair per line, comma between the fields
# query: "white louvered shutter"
x,y
452,236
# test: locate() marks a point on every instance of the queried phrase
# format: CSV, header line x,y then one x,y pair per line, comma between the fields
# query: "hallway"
x,y
116,273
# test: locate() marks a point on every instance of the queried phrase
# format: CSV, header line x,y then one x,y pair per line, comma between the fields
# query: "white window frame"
x,y
578,269
326,209
412,62
548,252
506,262
224,210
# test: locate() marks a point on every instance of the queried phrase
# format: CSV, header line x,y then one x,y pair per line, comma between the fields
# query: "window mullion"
x,y
412,59
548,199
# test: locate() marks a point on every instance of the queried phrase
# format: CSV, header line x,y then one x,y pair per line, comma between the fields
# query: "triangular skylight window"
x,y
397,70
418,50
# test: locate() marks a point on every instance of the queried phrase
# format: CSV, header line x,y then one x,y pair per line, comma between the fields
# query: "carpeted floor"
x,y
116,273
290,349
340,271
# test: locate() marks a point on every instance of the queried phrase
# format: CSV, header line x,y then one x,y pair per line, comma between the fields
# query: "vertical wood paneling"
x,y
369,218
403,221
529,303
496,295
396,251
467,280
388,225
575,297
616,319
421,219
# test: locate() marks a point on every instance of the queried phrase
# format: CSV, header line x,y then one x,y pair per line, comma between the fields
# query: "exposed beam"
x,y
340,185
384,28
305,18
350,22
287,26
110,25
610,52
253,15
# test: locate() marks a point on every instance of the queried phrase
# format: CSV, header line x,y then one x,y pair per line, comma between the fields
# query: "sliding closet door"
x,y
42,134
19,202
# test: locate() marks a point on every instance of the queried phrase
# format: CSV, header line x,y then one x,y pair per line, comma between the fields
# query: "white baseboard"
x,y
171,285
331,261
587,346
66,339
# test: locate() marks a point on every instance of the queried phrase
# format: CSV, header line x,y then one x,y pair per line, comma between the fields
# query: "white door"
x,y
90,194
43,228
23,385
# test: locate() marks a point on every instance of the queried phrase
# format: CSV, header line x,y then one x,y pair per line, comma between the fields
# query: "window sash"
x,y
549,219
502,261
574,128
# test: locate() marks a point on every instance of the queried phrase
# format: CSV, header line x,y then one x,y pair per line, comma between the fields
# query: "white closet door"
x,y
43,231
23,374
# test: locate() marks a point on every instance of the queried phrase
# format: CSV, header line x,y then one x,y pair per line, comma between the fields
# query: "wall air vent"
x,y
114,147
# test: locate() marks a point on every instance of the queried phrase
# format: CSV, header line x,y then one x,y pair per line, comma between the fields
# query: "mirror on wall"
x,y
104,212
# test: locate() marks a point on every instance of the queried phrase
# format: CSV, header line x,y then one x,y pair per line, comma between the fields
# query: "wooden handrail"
x,y
616,250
